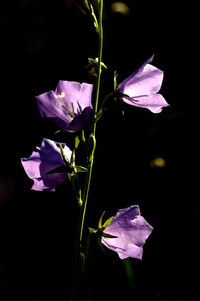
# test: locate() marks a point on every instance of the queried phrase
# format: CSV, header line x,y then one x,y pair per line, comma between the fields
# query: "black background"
x,y
45,41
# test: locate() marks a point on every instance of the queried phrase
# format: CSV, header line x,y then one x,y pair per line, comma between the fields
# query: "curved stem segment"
x,y
92,145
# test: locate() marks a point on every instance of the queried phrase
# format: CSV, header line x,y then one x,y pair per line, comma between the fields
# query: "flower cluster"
x,y
69,106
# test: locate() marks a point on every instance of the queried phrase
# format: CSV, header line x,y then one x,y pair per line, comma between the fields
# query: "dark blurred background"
x,y
141,158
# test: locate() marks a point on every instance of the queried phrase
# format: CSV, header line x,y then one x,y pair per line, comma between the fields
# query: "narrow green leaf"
x,y
58,131
72,159
58,170
91,230
100,221
107,223
63,155
83,136
81,169
120,94
108,235
77,141
100,244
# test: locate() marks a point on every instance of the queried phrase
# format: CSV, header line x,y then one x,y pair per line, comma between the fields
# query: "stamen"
x,y
61,94
72,114
73,109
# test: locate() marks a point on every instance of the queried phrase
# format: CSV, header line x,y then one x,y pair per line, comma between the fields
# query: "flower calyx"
x,y
91,67
70,167
102,227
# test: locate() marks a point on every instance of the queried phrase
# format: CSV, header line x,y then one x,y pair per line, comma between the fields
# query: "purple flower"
x,y
69,106
43,160
142,87
131,230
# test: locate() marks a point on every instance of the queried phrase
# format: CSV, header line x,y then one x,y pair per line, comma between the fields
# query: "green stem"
x,y
77,270
94,120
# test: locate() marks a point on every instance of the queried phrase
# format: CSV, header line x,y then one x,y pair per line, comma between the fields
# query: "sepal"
x,y
70,166
92,231
108,235
81,169
107,222
91,67
63,156
100,220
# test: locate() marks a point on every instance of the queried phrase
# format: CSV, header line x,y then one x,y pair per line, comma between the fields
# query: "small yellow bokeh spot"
x,y
158,162
120,7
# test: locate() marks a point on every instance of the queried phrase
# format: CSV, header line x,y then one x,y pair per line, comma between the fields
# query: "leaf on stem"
x,y
77,141
107,223
100,220
81,169
108,235
63,156
91,230
58,170
100,244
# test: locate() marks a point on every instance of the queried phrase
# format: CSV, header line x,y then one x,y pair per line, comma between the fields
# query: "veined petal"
x,y
78,94
66,104
50,106
44,159
146,81
127,213
80,120
154,102
131,231
132,251
142,87
139,70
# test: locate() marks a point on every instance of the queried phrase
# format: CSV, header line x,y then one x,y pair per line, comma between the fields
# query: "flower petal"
x,y
80,120
141,87
146,80
131,231
127,213
65,105
50,106
154,103
139,70
78,94
133,251
44,159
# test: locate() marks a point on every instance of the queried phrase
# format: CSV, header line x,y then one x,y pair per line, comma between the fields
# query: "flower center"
x,y
71,113
61,94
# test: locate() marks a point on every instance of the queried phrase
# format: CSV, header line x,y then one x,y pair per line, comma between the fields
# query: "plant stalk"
x,y
77,269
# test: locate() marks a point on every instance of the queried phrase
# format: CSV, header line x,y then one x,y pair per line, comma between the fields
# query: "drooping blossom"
x,y
131,231
69,106
142,88
43,160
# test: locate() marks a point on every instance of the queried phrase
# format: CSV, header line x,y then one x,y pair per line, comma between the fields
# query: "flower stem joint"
x,y
91,67
91,147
